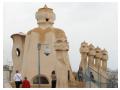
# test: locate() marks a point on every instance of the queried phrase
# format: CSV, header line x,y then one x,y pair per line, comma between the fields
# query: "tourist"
x,y
25,83
18,79
92,77
80,74
53,76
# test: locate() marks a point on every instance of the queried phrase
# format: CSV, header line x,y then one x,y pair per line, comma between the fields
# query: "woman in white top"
x,y
18,79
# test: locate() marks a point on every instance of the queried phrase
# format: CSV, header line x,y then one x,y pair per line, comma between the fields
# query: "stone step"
x,y
76,84
71,84
33,85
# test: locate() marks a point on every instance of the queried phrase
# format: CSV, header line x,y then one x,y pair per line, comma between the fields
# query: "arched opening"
x,y
47,19
43,80
18,51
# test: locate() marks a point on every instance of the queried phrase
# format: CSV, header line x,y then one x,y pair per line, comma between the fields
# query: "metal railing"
x,y
97,82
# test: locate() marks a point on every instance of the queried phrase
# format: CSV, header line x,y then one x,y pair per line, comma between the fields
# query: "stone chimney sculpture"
x,y
104,59
91,55
84,49
48,36
94,60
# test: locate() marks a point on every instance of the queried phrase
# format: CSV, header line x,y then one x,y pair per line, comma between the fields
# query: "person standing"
x,y
92,77
18,79
53,76
80,74
25,83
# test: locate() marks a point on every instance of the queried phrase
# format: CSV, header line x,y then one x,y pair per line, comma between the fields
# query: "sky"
x,y
93,22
